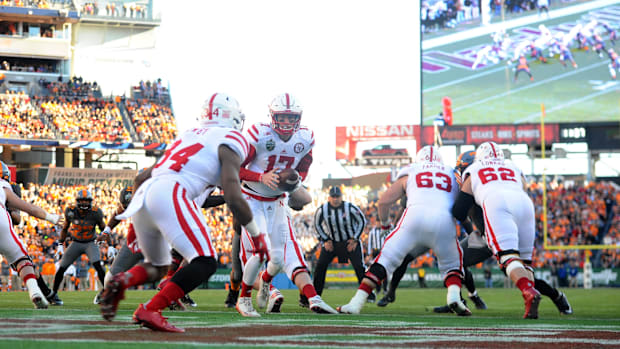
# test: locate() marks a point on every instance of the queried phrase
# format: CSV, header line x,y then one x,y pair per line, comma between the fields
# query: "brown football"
x,y
289,178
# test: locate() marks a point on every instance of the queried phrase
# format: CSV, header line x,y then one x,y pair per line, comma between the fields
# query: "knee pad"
x,y
176,257
298,271
453,273
507,257
25,261
376,273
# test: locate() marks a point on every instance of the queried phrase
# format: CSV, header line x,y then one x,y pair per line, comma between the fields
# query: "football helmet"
x,y
126,195
222,110
84,199
6,173
464,160
285,112
428,153
489,151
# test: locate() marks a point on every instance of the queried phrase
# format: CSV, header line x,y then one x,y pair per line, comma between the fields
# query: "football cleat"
x,y
532,299
231,299
349,309
154,320
188,301
262,296
318,306
562,304
112,295
245,307
275,302
459,308
162,283
38,300
442,310
177,305
372,297
303,301
480,304
97,298
53,299
387,299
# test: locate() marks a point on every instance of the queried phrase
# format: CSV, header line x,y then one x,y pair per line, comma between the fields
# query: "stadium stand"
x,y
583,214
153,122
20,119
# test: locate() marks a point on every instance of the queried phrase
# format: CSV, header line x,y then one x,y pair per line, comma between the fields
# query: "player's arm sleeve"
x,y
463,203
213,201
318,224
246,174
359,221
304,165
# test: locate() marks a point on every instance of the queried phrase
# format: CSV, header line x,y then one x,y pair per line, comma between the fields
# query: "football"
x,y
288,179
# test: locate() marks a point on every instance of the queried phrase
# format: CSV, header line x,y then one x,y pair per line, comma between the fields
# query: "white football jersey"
x,y
272,152
193,158
431,184
4,184
493,177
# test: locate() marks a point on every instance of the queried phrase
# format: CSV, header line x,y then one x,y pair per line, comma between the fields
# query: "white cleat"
x,y
39,300
262,296
349,309
245,307
459,308
275,302
318,306
97,298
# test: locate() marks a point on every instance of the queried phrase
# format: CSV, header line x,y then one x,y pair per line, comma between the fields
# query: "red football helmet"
x,y
285,112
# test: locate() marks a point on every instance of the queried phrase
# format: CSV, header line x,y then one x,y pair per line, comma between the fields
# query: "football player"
x,y
566,55
164,215
82,218
499,188
11,246
431,188
615,63
523,66
281,144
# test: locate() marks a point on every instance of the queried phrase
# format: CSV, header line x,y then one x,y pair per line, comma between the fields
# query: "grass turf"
x,y
593,309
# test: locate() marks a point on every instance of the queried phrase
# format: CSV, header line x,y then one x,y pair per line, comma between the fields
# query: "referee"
x,y
339,225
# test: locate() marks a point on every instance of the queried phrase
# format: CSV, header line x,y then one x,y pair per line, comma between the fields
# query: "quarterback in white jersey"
x,y
11,246
164,214
273,147
427,221
499,188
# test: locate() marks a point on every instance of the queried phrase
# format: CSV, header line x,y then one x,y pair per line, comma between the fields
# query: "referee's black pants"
x,y
326,257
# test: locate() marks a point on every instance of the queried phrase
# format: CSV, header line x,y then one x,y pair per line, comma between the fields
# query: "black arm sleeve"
x,y
466,224
462,205
213,201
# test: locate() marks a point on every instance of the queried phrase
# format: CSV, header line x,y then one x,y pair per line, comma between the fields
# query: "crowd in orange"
x,y
153,122
20,119
26,3
88,119
569,207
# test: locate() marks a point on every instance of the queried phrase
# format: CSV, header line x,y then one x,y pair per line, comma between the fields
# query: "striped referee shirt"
x,y
375,239
339,223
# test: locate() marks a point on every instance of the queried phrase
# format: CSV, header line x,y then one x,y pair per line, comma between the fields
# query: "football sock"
x,y
43,286
469,282
246,291
266,277
170,292
365,288
545,289
135,276
524,284
58,278
309,291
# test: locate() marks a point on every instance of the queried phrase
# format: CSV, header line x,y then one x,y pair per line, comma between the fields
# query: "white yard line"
x,y
517,22
567,104
528,86
471,77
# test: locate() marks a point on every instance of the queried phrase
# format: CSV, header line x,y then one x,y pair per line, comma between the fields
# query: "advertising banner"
x,y
85,176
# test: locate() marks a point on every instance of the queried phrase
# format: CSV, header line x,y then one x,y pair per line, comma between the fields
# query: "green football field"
x,y
489,94
405,323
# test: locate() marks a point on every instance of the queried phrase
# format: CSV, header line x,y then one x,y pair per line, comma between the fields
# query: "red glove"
x,y
260,246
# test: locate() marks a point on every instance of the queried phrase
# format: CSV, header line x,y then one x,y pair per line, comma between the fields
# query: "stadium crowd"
x,y
19,119
153,122
577,215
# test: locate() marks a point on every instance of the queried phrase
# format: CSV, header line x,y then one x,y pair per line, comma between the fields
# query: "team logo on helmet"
x,y
489,151
270,145
298,148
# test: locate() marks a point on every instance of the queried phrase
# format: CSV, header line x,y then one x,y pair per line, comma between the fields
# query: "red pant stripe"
x,y
490,231
192,210
186,229
15,238
297,251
